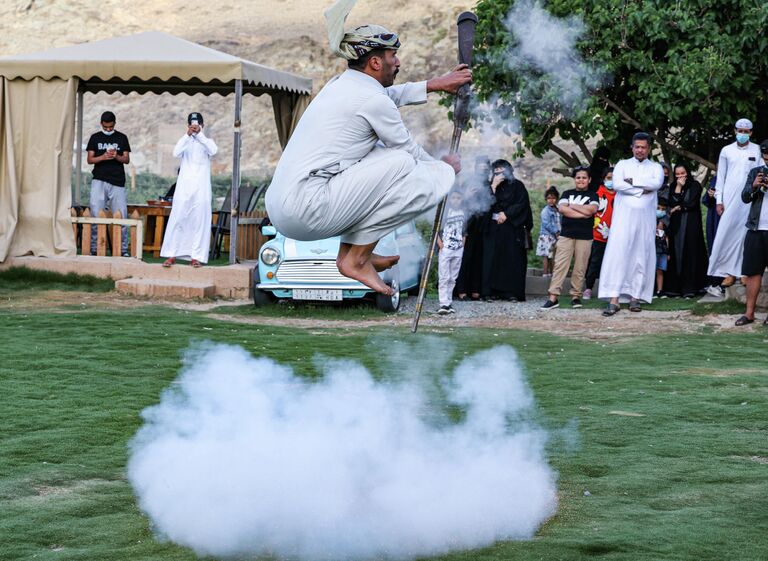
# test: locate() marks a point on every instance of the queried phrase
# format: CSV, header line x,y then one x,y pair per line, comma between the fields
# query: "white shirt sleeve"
x,y
182,145
620,185
722,173
384,118
410,93
208,143
653,177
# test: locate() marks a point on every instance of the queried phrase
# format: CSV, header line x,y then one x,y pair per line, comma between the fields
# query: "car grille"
x,y
310,271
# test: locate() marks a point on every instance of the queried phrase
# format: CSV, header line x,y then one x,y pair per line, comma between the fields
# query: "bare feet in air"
x,y
384,262
364,272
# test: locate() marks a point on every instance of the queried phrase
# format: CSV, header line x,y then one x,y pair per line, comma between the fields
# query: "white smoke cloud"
x,y
242,457
546,54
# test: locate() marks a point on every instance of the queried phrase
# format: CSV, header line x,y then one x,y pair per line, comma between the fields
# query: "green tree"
x,y
682,70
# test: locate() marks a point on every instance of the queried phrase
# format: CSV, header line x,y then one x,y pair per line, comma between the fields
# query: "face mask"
x,y
742,138
108,133
609,185
661,213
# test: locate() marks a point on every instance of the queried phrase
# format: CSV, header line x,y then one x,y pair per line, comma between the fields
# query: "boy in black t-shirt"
x,y
578,207
108,151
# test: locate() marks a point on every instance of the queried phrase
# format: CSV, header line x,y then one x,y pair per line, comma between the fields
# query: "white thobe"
x,y
733,167
351,168
188,235
629,265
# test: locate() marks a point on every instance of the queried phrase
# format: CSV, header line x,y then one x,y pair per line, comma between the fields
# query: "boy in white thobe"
x,y
188,235
735,162
629,265
351,168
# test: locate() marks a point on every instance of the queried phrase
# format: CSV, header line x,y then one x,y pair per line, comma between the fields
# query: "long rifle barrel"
x,y
466,26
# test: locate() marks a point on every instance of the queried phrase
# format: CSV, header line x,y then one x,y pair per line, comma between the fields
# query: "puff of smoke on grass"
x,y
243,458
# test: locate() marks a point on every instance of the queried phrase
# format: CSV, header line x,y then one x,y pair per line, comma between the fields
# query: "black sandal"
x,y
744,320
634,306
611,310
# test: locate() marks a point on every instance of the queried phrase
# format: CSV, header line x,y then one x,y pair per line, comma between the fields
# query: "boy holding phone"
x,y
108,152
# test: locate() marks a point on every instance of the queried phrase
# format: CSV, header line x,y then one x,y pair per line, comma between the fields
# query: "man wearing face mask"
x,y
108,151
736,161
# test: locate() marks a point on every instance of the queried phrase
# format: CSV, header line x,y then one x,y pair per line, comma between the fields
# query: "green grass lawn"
x,y
685,476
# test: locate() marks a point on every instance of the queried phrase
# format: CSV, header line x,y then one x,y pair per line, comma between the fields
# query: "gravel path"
x,y
495,309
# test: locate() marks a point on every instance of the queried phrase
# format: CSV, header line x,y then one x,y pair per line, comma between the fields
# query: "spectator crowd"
x,y
636,229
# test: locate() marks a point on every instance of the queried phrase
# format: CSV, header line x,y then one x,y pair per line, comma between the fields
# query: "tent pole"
x,y
235,175
79,167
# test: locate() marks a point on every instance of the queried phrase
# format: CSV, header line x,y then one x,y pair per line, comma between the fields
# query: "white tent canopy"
x,y
40,92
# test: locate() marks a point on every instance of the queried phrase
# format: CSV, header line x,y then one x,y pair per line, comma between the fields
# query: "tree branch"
x,y
580,143
661,141
567,159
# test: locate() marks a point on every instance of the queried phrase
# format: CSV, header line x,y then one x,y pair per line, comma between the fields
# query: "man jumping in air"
x,y
351,168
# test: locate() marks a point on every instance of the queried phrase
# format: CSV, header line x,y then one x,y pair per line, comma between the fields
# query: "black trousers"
x,y
595,263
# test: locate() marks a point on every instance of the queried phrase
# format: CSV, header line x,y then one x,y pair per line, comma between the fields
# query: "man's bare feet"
x,y
365,273
384,262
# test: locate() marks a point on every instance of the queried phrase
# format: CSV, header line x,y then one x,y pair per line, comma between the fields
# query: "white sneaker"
x,y
587,295
715,291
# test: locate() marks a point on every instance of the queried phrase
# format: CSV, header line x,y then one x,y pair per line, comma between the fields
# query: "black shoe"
x,y
444,310
549,304
634,306
611,310
450,309
576,303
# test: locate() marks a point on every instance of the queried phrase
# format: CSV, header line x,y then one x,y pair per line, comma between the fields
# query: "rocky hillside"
x,y
284,34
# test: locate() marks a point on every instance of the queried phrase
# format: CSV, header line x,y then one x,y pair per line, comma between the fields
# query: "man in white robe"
x,y
351,167
629,265
735,162
188,235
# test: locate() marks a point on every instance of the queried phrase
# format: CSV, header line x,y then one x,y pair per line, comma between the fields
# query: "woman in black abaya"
x,y
506,231
687,268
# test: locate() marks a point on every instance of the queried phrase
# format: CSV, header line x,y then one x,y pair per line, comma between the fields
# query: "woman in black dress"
x,y
506,230
687,269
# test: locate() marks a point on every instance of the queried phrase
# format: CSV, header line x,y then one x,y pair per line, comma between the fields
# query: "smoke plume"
x,y
545,55
241,457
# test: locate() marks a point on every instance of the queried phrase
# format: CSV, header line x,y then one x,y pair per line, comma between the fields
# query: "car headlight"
x,y
270,256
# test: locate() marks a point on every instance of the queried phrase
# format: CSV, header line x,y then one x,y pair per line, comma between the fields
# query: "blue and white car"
x,y
297,270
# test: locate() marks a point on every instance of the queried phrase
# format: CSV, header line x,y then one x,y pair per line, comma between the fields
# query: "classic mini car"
x,y
289,268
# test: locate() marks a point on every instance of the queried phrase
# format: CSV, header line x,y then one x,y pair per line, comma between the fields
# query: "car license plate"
x,y
316,294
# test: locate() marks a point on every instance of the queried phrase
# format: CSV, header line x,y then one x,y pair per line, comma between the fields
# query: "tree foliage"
x,y
682,70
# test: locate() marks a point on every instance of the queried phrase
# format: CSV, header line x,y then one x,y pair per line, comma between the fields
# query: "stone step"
x,y
165,288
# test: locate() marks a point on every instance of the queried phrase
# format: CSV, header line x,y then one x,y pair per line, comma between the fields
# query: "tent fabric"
x,y
37,108
148,57
36,135
288,110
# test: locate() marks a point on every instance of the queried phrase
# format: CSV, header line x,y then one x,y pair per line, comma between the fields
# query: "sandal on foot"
x,y
611,310
634,306
168,262
196,264
744,320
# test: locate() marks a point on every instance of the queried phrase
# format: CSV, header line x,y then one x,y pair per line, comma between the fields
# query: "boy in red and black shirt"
x,y
601,231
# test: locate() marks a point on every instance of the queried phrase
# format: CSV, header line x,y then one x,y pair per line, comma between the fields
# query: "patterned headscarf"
x,y
361,40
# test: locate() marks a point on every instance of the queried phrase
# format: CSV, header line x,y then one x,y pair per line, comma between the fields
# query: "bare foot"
x,y
384,262
365,273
